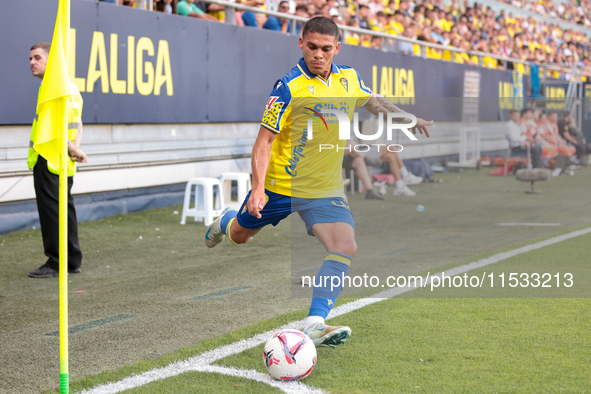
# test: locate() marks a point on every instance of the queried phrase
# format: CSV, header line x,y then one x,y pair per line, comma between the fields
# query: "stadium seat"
x,y
243,184
205,200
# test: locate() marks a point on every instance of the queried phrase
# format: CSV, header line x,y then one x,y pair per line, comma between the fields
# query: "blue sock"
x,y
226,219
334,269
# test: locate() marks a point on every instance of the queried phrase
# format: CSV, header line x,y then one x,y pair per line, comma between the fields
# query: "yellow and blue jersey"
x,y
298,167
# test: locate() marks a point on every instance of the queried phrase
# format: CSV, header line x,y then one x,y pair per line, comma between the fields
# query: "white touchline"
x,y
202,362
529,224
286,387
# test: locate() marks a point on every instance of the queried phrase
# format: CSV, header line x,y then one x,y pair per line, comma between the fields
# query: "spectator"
x,y
318,7
553,144
376,42
405,8
275,23
215,10
403,46
568,131
521,135
249,18
301,10
378,23
392,163
363,16
188,8
166,6
356,161
436,34
352,38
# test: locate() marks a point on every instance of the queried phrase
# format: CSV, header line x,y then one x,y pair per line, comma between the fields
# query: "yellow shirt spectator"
x,y
352,40
489,62
417,49
375,25
394,28
433,54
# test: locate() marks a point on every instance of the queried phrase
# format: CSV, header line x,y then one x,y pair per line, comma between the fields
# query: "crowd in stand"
x,y
574,11
458,25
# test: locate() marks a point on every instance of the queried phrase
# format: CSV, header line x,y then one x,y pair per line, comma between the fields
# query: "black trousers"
x,y
581,151
535,151
47,192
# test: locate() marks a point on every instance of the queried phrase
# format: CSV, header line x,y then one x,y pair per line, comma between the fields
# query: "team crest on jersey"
x,y
311,89
345,83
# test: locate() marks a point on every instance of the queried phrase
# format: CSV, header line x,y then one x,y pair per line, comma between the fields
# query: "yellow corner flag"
x,y
54,89
51,142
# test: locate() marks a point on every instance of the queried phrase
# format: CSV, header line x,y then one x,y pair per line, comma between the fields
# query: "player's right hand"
x,y
256,202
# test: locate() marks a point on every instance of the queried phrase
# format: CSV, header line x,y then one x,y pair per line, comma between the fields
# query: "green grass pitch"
x,y
183,299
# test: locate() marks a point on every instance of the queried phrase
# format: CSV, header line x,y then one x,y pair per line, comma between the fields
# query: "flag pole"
x,y
63,212
63,251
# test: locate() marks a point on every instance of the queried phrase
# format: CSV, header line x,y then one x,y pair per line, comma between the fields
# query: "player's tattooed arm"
x,y
379,104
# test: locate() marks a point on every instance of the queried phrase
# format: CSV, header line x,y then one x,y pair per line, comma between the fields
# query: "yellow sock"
x,y
228,231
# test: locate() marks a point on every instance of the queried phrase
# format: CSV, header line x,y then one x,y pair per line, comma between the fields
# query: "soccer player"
x,y
291,174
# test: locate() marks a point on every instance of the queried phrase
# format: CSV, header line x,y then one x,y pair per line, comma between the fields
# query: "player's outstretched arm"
x,y
379,104
261,156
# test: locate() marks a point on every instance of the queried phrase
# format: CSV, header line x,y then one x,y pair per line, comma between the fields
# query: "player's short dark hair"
x,y
302,7
43,45
321,25
565,114
525,110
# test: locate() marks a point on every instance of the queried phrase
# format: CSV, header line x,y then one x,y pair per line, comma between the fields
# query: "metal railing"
x,y
424,45
230,19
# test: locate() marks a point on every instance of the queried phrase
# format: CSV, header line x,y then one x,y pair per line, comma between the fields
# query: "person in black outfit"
x,y
46,182
574,136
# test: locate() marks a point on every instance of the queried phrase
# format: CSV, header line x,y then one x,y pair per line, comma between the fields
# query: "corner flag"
x,y
51,142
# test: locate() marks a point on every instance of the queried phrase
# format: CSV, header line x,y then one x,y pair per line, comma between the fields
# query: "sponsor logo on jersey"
x,y
271,101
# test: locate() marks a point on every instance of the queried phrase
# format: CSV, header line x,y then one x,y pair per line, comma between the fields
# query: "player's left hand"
x,y
421,127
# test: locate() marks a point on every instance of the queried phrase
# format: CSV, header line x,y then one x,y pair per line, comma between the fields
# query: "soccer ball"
x,y
289,355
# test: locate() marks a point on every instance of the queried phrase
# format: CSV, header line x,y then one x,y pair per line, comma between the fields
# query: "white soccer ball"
x,y
289,355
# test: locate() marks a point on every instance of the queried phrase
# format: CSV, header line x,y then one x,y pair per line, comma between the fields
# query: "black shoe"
x,y
44,272
373,195
76,271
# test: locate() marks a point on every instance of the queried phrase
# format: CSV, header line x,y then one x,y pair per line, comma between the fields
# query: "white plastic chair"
x,y
243,184
206,207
